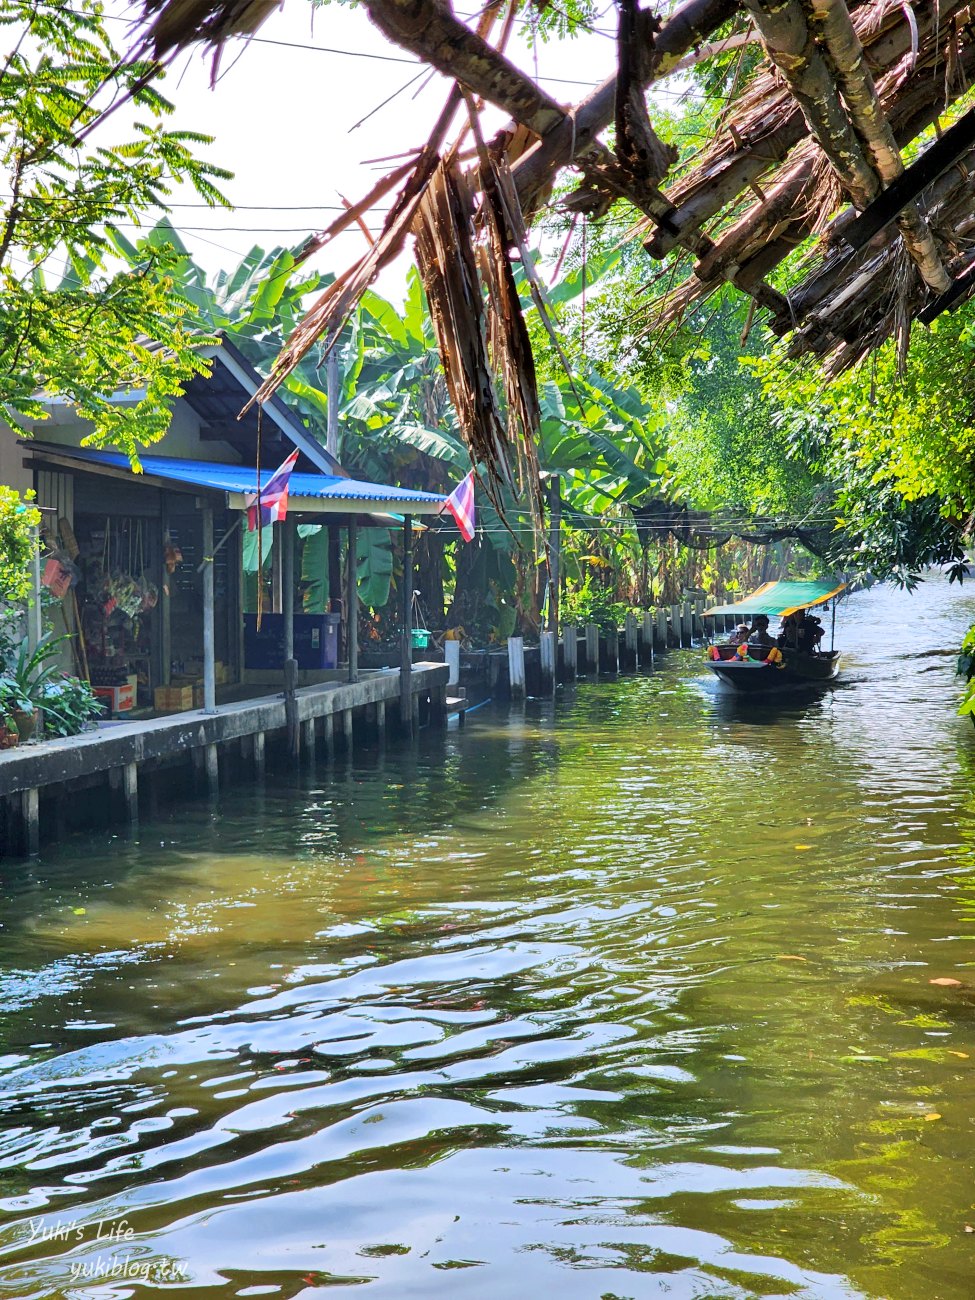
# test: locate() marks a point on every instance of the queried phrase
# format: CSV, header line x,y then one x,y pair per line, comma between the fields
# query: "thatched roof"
x,y
812,155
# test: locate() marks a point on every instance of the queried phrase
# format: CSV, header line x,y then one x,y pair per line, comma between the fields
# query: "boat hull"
x,y
755,677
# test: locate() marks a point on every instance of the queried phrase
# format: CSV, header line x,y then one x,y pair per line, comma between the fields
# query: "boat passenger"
x,y
790,633
760,633
740,635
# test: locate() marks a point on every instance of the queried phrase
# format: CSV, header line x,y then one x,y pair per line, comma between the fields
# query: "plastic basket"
x,y
420,638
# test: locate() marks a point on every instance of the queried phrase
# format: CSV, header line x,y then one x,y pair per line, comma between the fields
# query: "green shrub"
x,y
594,604
69,705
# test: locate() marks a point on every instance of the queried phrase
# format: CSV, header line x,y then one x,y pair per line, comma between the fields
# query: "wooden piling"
x,y
546,654
124,783
30,819
211,764
646,638
661,626
570,651
516,666
687,623
592,648
630,639
675,625
451,654
308,740
438,708
699,604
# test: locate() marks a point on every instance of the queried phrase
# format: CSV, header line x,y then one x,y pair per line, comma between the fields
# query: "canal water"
x,y
628,996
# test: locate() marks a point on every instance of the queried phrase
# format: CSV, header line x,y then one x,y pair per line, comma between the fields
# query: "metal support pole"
x,y
209,669
406,648
277,568
34,625
332,389
334,569
291,706
352,601
287,535
165,616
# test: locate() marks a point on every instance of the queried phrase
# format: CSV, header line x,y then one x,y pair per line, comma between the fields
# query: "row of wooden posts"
x,y
630,648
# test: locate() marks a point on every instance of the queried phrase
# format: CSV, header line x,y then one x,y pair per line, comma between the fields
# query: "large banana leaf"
x,y
374,568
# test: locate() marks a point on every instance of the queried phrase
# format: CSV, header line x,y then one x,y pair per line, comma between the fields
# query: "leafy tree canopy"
x,y
103,326
18,521
896,440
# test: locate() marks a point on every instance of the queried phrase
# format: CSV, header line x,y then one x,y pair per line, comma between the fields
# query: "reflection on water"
x,y
628,997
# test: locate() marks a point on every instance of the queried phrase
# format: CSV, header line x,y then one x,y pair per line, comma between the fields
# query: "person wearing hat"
x,y
760,633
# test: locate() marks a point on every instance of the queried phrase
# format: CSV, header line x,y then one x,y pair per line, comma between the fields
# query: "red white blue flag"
x,y
460,503
274,497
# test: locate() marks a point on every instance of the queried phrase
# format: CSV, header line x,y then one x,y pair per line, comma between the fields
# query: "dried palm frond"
x,y
464,263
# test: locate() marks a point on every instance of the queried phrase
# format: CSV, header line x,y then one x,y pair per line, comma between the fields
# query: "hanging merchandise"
x,y
117,599
59,574
419,633
150,593
172,555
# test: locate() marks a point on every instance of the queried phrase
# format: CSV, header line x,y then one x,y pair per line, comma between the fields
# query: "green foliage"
x,y
18,522
593,603
729,452
897,448
114,320
374,566
32,672
70,706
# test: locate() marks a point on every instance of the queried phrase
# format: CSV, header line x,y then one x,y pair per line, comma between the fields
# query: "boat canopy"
x,y
778,599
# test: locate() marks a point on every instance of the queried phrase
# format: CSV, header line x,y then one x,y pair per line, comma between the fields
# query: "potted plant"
x,y
26,680
70,706
9,734
17,707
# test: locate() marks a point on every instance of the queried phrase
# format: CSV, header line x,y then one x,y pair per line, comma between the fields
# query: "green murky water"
x,y
628,997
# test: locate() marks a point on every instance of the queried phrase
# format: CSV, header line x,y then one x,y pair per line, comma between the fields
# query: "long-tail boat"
x,y
789,662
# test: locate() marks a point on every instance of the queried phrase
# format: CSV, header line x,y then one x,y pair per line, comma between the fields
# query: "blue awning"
x,y
308,493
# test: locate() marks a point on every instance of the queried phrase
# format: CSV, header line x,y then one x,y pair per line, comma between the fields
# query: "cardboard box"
x,y
120,699
173,699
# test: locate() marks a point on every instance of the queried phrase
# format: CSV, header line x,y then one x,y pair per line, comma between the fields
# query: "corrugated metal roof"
x,y
241,480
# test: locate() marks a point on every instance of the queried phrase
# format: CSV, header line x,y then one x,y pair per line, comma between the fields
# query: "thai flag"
x,y
460,503
274,497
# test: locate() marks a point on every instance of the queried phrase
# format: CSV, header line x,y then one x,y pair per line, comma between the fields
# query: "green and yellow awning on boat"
x,y
778,599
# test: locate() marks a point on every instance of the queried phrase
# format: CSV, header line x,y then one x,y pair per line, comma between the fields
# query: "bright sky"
x,y
287,116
